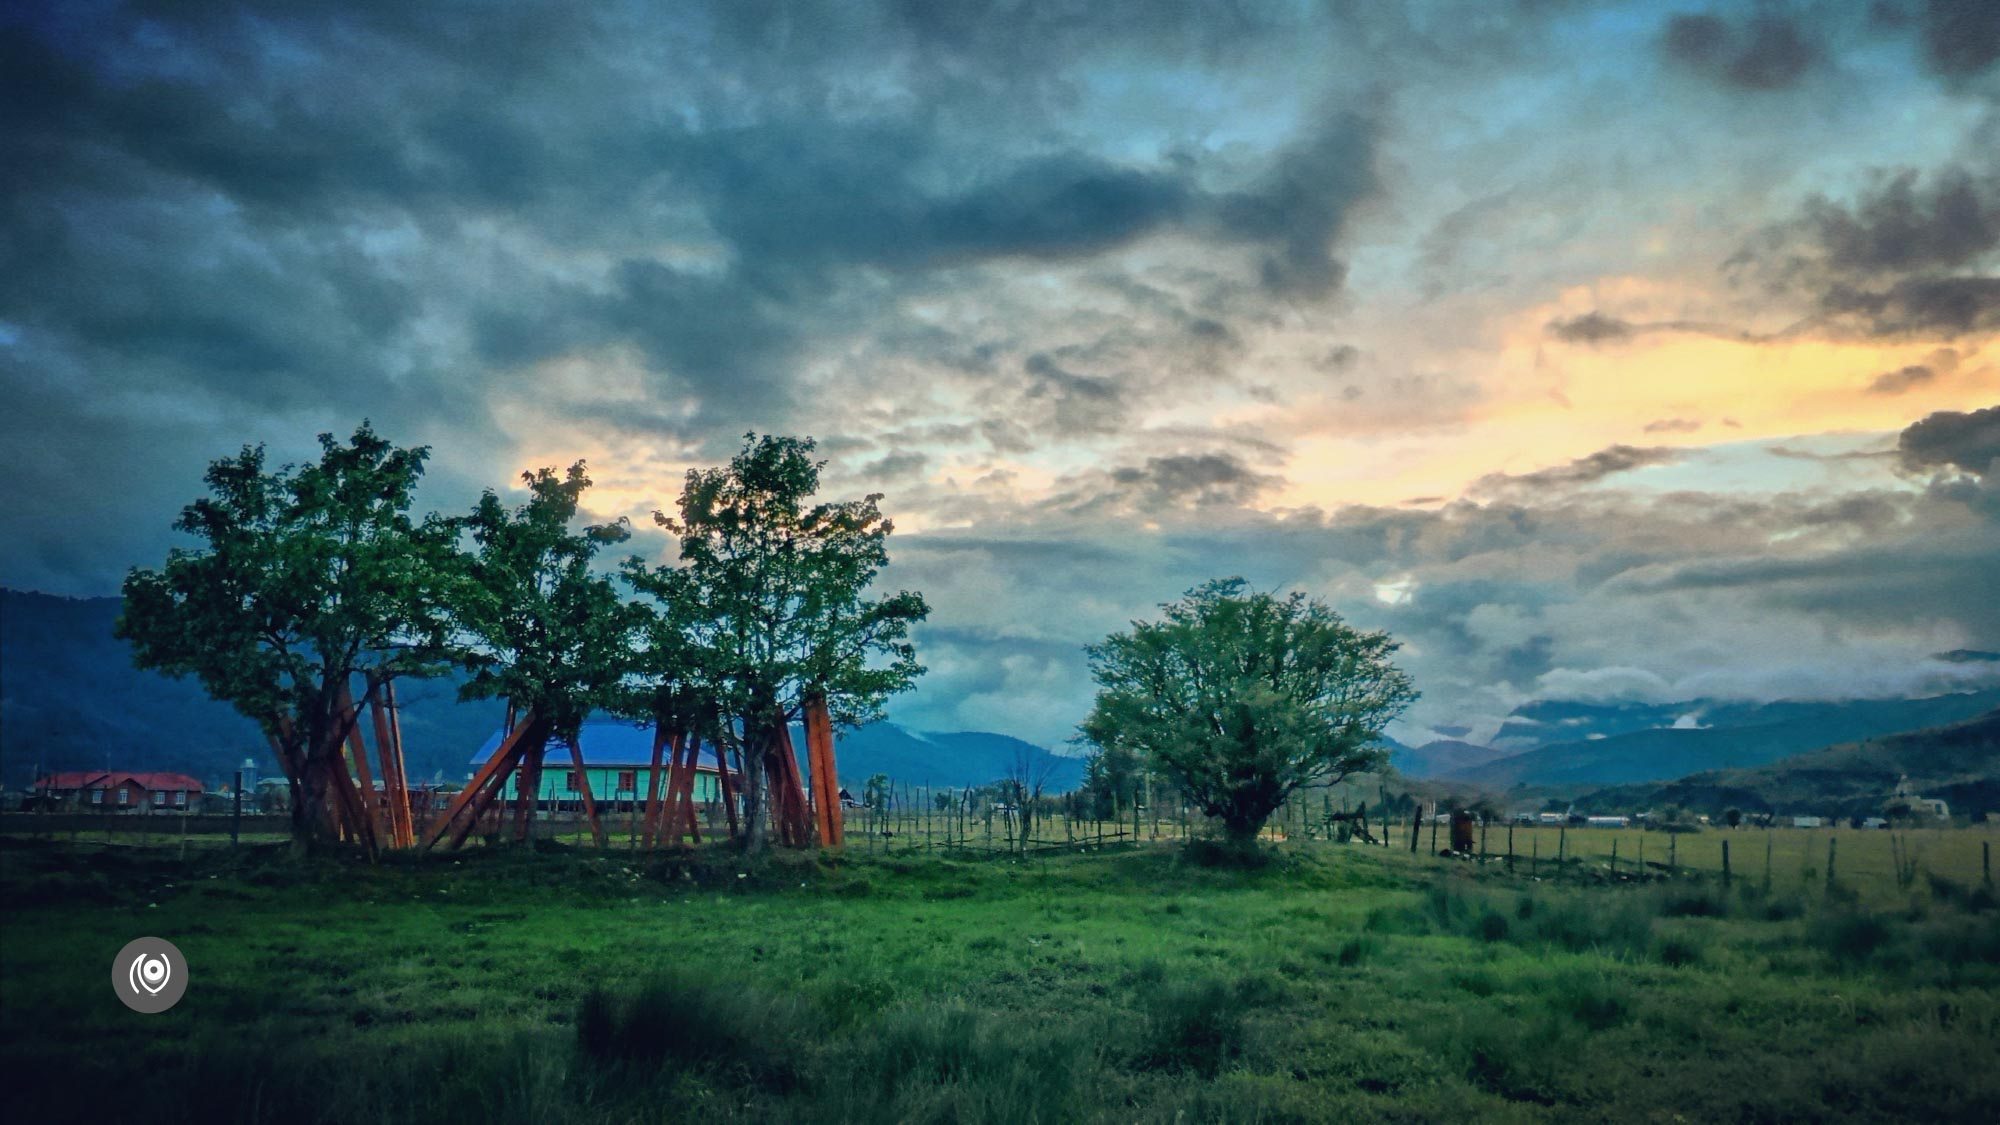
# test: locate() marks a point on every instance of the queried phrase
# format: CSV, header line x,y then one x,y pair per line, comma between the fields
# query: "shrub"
x,y
697,1023
1679,950
1590,1000
1357,948
1195,1026
1850,937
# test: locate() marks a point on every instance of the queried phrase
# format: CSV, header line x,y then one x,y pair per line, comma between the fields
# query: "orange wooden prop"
x,y
583,786
825,775
651,820
503,761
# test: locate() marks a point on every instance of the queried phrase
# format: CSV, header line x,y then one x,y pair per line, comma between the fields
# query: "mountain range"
x,y
70,698
1958,762
1599,744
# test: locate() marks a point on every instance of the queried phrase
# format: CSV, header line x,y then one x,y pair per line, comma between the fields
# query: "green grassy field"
x,y
1337,983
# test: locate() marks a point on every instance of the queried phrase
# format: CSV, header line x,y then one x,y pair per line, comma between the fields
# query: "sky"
x,y
1623,351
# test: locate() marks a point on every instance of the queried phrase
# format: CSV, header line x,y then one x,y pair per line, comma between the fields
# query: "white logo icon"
x,y
150,972
149,975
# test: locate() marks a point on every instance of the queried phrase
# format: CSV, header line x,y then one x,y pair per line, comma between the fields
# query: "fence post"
x,y
236,813
1416,827
1986,861
1534,855
1614,857
1830,842
1673,850
1725,863
1562,843
1767,858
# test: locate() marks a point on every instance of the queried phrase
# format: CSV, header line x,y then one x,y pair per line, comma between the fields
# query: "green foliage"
x,y
781,585
543,629
307,576
778,590
1241,698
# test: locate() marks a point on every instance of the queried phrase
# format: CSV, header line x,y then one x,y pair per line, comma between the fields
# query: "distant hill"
x,y
1959,762
953,759
1735,735
71,699
1441,758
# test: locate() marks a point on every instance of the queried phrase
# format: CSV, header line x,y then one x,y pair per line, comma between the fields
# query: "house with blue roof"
x,y
617,756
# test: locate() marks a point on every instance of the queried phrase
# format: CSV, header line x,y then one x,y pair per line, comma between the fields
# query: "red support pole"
x,y
505,758
653,786
589,798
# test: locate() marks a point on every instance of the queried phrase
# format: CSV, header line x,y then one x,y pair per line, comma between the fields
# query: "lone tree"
x,y
781,585
1240,698
541,628
309,576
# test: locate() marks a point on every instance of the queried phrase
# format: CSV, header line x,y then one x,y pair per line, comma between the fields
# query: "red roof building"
x,y
122,790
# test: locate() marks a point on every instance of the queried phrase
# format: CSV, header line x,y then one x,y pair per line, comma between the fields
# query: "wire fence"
x,y
903,819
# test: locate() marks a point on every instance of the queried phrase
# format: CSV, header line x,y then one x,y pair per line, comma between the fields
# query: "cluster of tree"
x,y
1239,699
312,577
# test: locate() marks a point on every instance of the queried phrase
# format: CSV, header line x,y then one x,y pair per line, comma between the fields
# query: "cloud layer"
x,y
1579,344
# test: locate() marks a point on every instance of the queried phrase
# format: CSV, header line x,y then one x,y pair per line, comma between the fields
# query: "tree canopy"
x,y
782,585
543,629
1240,698
307,576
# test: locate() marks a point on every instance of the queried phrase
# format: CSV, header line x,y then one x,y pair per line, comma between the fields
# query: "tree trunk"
x,y
756,826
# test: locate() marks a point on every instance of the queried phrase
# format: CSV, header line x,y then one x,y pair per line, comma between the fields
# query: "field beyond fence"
x,y
1865,860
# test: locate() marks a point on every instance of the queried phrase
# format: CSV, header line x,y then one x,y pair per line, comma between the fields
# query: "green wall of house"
x,y
609,783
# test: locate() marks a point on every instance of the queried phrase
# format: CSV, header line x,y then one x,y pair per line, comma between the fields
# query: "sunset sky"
x,y
1598,351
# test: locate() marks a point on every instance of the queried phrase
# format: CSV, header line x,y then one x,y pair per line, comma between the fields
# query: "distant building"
x,y
617,756
1807,822
1608,821
1553,818
121,790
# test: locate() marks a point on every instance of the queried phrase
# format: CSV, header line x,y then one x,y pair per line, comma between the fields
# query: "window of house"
x,y
97,796
124,796
180,798
628,780
570,784
159,796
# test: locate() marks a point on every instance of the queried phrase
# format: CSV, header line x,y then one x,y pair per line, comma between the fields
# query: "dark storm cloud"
x,y
1907,258
1967,656
1765,52
1592,328
1961,37
1202,480
1969,442
1210,481
1606,462
286,215
1300,204
1900,380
